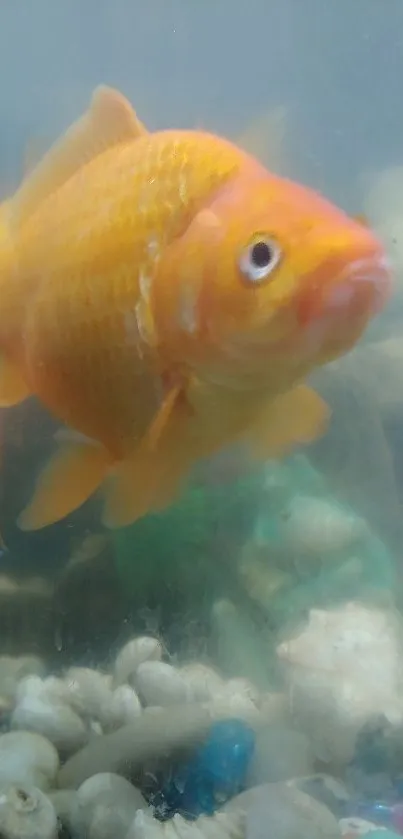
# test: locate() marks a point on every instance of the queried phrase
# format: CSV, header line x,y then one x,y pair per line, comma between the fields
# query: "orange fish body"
x,y
164,295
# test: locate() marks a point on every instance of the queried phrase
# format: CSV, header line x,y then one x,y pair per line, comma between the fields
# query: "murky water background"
x,y
229,575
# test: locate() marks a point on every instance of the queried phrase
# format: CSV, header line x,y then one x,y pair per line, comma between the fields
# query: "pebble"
x,y
280,754
12,670
359,827
274,709
328,790
237,698
220,826
318,527
343,671
89,691
162,684
383,813
27,758
92,695
51,688
26,813
63,801
145,739
204,682
104,807
290,814
55,721
123,708
134,653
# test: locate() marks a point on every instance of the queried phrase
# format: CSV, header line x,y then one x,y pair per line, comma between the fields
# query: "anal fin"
x,y
69,478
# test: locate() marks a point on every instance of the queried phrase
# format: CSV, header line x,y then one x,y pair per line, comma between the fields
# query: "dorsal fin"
x,y
109,121
265,138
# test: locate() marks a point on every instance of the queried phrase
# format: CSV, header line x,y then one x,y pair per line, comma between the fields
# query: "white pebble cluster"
x,y
70,709
52,718
72,737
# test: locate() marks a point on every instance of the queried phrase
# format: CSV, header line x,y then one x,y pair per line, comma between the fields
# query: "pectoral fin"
x,y
294,418
74,472
162,418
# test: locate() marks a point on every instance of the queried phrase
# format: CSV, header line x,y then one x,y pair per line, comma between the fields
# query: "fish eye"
x,y
259,259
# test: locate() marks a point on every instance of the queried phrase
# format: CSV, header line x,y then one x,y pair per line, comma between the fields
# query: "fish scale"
x,y
107,282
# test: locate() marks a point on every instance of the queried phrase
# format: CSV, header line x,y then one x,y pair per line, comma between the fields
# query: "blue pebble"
x,y
214,774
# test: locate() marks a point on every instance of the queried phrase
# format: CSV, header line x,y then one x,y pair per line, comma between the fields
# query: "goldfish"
x,y
165,296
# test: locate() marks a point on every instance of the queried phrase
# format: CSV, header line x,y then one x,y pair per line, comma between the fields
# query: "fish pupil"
x,y
261,255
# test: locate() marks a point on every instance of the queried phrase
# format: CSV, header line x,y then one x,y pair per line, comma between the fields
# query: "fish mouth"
x,y
359,290
375,276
